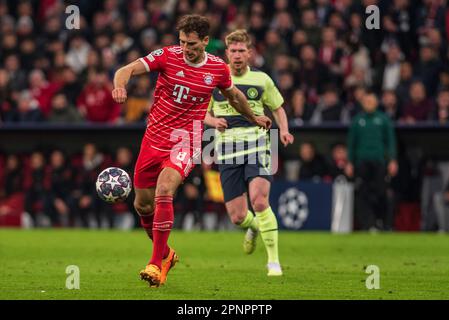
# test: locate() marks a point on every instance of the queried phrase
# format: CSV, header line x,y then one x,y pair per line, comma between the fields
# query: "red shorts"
x,y
152,160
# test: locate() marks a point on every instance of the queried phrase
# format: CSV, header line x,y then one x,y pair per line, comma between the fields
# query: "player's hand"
x,y
220,124
263,121
119,95
286,138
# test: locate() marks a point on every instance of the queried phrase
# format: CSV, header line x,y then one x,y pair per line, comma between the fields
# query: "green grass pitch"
x,y
213,266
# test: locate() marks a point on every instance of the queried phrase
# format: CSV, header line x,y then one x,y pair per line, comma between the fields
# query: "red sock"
x,y
146,222
162,224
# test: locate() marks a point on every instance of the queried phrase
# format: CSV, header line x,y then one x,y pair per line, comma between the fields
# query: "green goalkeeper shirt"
x,y
260,91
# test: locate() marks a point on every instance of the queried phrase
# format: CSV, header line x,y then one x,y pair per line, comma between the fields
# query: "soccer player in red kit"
x,y
172,141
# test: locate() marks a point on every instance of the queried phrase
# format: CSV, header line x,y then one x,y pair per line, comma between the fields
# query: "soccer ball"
x,y
113,185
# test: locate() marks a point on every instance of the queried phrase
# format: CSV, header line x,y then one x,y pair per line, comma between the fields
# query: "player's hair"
x,y
194,23
239,35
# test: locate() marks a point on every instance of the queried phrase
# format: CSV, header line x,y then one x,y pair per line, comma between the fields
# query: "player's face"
x,y
238,55
192,46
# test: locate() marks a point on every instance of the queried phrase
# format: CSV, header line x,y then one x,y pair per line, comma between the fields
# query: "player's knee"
x,y
259,203
164,189
143,209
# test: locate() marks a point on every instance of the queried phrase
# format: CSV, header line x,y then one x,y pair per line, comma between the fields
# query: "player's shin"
x,y
162,225
268,228
250,221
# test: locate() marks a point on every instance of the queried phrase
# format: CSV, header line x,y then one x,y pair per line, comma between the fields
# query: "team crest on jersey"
x,y
208,79
252,93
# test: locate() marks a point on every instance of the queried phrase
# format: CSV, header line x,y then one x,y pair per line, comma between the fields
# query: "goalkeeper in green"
x,y
243,150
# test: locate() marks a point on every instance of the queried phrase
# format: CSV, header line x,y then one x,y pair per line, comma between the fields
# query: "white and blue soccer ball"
x,y
113,185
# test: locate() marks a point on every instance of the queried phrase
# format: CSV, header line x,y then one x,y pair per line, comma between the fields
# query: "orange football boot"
x,y
168,263
151,274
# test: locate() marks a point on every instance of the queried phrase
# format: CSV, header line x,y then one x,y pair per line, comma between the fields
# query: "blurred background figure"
x,y
338,161
59,203
62,112
36,187
91,211
95,102
372,156
125,216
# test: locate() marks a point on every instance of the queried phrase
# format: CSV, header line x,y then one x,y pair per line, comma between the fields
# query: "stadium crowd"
x,y
319,53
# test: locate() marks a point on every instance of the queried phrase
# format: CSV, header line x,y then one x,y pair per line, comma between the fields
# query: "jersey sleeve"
x,y
226,80
156,60
272,98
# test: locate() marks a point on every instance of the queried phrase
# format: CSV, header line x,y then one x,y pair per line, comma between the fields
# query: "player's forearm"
x,y
125,73
239,103
122,77
209,120
281,119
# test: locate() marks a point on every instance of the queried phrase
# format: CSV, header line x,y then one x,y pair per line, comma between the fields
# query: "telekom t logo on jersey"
x,y
181,92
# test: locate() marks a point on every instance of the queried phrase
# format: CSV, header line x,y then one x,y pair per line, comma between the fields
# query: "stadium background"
x,y
55,88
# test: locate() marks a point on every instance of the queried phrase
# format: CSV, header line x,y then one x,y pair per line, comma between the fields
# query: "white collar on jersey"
x,y
197,65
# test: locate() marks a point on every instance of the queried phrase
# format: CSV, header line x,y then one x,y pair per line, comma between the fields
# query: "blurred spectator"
x,y
76,57
95,102
403,88
330,54
389,105
36,186
72,86
11,188
27,110
329,108
298,108
89,209
17,76
312,164
356,64
392,68
354,105
12,176
428,68
323,10
42,90
126,216
138,103
61,111
441,113
274,47
5,94
59,203
419,108
339,160
312,75
402,18
309,24
371,145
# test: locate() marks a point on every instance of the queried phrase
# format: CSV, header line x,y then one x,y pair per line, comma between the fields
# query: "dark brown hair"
x,y
194,23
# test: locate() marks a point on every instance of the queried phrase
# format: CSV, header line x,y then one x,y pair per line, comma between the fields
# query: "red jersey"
x,y
182,95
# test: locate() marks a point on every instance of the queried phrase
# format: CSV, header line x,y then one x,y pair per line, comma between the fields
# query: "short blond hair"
x,y
239,35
